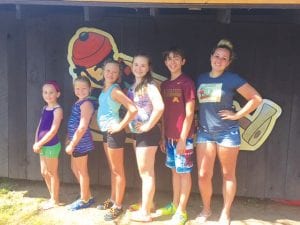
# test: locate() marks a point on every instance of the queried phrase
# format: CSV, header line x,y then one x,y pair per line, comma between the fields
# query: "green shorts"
x,y
51,151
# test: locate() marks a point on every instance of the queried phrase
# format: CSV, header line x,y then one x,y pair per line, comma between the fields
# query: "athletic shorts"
x,y
146,139
51,151
115,140
228,138
181,163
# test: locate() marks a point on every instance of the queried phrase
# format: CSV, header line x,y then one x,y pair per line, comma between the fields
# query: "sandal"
x,y
139,216
202,217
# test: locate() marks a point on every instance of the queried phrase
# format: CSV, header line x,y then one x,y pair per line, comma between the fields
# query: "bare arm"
x,y
58,115
87,110
187,123
120,97
251,95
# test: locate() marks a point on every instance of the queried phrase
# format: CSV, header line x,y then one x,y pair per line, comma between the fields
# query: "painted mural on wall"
x,y
90,47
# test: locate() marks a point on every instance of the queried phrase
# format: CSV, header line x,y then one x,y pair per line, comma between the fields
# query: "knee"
x,y
83,173
204,176
146,172
229,176
116,172
44,173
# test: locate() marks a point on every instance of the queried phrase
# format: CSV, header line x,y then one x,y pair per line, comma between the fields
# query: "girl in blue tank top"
x,y
47,143
80,140
112,128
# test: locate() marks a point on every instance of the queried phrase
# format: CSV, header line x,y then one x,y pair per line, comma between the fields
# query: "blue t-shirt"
x,y
215,94
108,111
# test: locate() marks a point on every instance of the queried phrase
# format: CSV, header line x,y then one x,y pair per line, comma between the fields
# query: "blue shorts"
x,y
181,163
228,138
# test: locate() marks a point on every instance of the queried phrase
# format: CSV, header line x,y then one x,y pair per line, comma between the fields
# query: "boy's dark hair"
x,y
175,50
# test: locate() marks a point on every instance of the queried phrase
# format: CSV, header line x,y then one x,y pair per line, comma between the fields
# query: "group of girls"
x,y
217,135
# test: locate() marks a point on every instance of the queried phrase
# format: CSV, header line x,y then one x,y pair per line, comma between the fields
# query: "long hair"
x,y
141,88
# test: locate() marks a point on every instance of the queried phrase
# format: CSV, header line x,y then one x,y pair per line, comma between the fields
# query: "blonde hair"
x,y
224,43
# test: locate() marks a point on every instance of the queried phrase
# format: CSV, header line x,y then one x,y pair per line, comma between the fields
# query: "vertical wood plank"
x,y
292,179
3,99
35,45
17,97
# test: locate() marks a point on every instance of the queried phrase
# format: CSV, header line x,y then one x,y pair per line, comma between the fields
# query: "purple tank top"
x,y
45,126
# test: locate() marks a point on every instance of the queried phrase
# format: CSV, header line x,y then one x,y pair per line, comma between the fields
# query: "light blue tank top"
x,y
108,111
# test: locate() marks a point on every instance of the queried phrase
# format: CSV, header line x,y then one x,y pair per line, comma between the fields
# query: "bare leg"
x,y
52,167
84,179
176,187
45,174
112,177
145,160
116,158
206,154
228,159
185,189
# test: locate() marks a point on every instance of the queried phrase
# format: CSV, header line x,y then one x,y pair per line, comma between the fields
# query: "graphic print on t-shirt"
x,y
209,92
175,94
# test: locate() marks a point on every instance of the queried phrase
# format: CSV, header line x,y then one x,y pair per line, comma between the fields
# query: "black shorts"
x,y
116,140
150,138
79,154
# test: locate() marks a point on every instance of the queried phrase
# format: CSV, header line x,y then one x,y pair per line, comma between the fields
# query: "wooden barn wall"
x,y
34,48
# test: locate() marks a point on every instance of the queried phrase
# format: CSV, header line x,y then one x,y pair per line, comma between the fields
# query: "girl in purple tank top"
x,y
47,143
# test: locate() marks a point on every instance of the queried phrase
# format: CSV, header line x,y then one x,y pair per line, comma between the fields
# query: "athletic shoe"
x,y
107,204
202,217
139,216
80,204
168,210
179,219
113,213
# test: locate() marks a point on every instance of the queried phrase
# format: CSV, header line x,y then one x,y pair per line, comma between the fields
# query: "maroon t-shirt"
x,y
175,94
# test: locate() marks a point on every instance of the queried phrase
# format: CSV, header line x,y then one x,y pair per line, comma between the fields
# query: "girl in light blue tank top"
x,y
112,128
108,112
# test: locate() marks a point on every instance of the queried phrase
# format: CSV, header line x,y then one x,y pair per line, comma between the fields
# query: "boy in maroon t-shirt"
x,y
178,128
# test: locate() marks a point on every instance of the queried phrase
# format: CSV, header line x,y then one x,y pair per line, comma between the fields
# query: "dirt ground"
x,y
245,211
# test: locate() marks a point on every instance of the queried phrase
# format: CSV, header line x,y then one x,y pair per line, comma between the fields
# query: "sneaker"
x,y
168,210
49,205
202,217
107,204
179,219
113,213
140,216
80,204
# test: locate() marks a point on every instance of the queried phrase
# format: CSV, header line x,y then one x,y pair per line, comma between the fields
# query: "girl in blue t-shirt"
x,y
218,133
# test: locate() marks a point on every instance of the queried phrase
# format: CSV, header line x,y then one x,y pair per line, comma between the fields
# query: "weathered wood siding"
x,y
34,49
